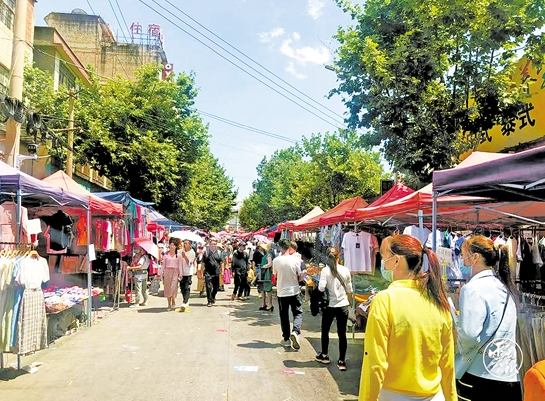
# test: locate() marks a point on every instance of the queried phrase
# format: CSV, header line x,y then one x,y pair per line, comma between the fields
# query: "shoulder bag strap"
x,y
499,324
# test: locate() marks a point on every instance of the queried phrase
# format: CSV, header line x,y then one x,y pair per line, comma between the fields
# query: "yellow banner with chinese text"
x,y
530,122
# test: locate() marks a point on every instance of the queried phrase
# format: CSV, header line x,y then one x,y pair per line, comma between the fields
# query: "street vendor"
x,y
139,269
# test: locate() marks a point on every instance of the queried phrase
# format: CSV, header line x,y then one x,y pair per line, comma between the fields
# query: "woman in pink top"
x,y
172,264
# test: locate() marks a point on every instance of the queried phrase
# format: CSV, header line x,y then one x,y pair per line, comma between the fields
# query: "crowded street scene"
x,y
246,200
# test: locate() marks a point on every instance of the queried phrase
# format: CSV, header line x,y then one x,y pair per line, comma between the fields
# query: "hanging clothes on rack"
x,y
360,249
23,327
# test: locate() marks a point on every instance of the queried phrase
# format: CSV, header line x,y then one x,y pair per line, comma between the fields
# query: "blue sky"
x,y
292,38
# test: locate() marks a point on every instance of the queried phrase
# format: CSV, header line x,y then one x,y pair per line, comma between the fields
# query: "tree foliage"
x,y
322,171
428,78
144,136
208,197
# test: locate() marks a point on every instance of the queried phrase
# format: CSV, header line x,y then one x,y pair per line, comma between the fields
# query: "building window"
x,y
4,80
66,78
7,13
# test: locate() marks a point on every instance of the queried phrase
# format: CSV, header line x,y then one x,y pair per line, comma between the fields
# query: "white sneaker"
x,y
144,304
134,306
294,339
285,343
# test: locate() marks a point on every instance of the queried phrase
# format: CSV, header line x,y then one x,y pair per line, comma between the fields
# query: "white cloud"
x,y
268,36
315,8
291,69
304,55
296,36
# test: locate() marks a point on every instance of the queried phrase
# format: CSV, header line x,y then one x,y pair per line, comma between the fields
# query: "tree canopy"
x,y
428,78
143,135
321,171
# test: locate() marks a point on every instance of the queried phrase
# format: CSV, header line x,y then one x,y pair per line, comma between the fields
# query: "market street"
x,y
150,354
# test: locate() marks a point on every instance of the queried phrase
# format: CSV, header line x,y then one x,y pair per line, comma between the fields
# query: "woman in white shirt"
x,y
337,280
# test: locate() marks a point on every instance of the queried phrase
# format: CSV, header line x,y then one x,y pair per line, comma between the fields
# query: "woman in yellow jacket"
x,y
409,346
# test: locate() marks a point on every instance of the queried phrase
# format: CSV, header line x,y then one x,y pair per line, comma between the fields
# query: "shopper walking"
x,y
257,259
287,270
336,280
171,271
213,266
201,284
409,347
488,316
266,278
239,266
139,268
186,273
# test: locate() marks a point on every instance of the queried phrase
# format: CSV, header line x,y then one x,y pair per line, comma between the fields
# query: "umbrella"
x,y
262,238
187,235
148,246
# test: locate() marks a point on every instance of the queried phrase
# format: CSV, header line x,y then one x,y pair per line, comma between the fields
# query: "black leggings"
x,y
341,315
241,281
473,388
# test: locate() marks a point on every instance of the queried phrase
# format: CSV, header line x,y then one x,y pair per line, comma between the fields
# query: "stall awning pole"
x,y
89,277
421,225
434,222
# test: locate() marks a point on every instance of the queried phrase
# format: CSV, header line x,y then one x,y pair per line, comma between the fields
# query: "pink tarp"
x,y
98,205
292,223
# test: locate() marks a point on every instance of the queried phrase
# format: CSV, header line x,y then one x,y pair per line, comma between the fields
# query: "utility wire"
x,y
251,67
247,127
123,17
221,119
248,57
117,19
91,7
236,65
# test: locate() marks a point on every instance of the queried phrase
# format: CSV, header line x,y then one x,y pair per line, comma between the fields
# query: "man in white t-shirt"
x,y
186,272
287,269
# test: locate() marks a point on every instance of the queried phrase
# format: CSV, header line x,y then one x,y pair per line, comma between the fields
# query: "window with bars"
x,y
7,13
4,80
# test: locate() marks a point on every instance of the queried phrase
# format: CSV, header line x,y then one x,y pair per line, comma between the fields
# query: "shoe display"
x,y
285,343
341,365
323,358
294,338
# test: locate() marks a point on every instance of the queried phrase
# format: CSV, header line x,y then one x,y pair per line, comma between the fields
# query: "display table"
x,y
60,299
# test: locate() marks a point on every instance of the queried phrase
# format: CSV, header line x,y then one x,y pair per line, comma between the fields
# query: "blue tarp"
x,y
121,197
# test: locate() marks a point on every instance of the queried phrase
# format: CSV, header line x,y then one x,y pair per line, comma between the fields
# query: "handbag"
x,y
463,362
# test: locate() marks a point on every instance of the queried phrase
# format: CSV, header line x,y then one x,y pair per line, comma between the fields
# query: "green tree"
x,y
322,171
428,78
208,197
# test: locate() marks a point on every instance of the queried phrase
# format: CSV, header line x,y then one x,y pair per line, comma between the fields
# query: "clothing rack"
x,y
18,245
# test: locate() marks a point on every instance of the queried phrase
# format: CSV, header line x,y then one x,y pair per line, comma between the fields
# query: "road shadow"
x,y
258,344
349,380
144,309
11,374
289,363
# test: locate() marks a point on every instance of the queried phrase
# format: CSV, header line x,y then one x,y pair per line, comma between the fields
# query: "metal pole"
x,y
421,225
70,153
13,128
89,278
434,222
18,239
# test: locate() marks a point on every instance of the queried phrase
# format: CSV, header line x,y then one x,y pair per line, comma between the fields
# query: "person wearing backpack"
x,y
336,280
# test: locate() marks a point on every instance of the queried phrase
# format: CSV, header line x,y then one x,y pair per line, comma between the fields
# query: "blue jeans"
x,y
284,304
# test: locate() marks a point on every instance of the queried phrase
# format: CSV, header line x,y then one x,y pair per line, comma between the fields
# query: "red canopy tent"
x,y
398,191
334,215
288,225
453,208
98,205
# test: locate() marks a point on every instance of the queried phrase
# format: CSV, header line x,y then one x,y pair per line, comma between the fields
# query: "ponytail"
x,y
332,264
504,273
432,282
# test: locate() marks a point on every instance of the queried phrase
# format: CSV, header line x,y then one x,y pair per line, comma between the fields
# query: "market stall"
x,y
22,289
516,182
108,236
